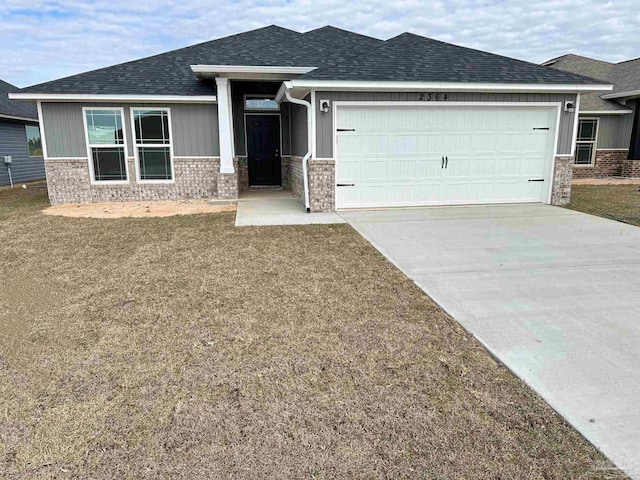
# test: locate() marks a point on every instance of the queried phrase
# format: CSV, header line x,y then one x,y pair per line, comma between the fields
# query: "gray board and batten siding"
x,y
194,128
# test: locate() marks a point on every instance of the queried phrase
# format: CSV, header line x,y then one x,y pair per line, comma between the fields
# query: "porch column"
x,y
225,124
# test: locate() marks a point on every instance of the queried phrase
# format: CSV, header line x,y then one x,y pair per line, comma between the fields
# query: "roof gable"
x,y
15,108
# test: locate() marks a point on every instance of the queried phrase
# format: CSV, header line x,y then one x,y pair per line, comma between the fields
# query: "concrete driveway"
x,y
553,293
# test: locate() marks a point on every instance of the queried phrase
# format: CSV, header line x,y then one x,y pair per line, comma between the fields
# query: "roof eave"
x,y
630,93
249,72
6,116
367,85
90,97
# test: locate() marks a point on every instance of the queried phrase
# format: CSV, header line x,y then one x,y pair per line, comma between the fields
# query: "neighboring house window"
x,y
257,102
586,141
152,135
34,144
106,144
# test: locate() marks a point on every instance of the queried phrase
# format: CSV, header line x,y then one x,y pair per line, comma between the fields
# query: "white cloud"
x,y
45,40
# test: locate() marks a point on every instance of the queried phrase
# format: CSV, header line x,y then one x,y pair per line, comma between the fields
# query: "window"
x,y
34,144
152,144
586,141
257,102
106,145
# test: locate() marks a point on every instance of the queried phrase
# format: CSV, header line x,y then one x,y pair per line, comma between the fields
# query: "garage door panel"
x,y
430,143
351,145
531,166
457,143
402,144
394,157
481,166
402,168
428,167
373,145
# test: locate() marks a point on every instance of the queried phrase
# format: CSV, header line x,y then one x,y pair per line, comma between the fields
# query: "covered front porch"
x,y
277,206
266,135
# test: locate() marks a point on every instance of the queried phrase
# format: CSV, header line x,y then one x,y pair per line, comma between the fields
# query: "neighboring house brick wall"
x,y
631,168
562,176
607,163
13,141
68,182
322,185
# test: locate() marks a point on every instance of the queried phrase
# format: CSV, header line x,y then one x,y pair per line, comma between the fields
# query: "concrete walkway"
x,y
553,293
277,207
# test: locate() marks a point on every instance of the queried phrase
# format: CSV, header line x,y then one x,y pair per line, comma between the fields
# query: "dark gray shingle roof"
x,y
338,53
625,77
15,108
410,57
589,102
170,73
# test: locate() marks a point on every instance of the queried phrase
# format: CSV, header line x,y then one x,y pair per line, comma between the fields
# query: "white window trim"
x,y
161,145
259,95
92,177
594,142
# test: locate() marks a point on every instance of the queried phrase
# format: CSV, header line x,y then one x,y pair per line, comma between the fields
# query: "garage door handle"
x,y
442,166
536,180
345,185
446,162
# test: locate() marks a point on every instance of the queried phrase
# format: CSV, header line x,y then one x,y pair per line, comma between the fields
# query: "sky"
x,y
45,40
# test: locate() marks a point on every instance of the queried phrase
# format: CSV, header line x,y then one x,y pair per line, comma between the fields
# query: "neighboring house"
x,y
341,119
608,137
19,139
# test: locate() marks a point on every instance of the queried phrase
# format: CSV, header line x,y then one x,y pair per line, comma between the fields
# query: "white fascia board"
x,y
88,97
605,112
631,93
447,86
16,117
250,69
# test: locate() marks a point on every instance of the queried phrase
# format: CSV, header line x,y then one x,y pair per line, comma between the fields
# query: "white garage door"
x,y
443,155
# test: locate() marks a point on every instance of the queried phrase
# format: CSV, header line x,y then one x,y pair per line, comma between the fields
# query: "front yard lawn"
x,y
618,202
184,347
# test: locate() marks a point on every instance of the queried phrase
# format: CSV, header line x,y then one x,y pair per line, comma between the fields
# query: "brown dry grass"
x,y
183,347
618,202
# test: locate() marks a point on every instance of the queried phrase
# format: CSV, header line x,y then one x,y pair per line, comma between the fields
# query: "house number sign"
x,y
433,97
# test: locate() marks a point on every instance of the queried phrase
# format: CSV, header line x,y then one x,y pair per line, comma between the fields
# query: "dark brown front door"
x,y
263,150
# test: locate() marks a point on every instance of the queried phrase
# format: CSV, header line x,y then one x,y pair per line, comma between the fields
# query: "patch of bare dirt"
x,y
138,209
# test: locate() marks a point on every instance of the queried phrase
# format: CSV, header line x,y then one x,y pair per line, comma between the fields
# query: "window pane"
x,y
151,126
257,103
155,163
104,127
33,141
584,153
109,164
587,130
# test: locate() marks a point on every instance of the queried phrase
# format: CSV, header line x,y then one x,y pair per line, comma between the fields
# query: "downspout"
x,y
305,159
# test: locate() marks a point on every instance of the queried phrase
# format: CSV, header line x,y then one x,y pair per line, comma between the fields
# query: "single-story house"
x,y
342,119
608,134
21,157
